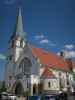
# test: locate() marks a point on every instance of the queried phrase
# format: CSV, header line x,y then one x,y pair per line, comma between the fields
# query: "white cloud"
x,y
47,42
44,41
68,54
41,36
68,51
69,46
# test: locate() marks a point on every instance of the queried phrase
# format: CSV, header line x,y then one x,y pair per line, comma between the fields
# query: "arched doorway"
x,y
19,89
40,87
34,89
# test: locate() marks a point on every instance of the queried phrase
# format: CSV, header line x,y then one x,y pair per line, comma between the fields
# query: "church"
x,y
33,70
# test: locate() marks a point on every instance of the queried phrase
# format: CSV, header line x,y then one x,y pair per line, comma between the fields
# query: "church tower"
x,y
17,43
18,40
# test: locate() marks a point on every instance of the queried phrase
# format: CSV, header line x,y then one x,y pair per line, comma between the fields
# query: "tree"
x,y
3,87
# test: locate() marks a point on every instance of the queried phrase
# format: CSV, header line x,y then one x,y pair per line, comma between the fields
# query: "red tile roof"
x,y
69,63
73,63
48,73
50,59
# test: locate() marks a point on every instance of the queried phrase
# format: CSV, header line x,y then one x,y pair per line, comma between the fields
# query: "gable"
x,y
48,73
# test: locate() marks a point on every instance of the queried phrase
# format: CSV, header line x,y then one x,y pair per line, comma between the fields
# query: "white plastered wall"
x,y
54,85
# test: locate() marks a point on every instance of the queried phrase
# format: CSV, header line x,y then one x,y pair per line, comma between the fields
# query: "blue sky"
x,y
49,24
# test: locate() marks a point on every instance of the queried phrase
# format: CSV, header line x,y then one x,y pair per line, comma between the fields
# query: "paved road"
x,y
71,98
21,98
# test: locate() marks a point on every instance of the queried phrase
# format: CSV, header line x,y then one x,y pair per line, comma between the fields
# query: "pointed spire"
x,y
18,31
19,24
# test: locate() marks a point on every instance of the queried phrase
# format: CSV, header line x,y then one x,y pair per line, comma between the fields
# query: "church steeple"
x,y
18,31
18,34
19,25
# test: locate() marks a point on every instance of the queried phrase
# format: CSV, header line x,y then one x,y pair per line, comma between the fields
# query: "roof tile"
x,y
50,59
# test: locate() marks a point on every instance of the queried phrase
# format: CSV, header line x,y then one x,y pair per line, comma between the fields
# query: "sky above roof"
x,y
49,24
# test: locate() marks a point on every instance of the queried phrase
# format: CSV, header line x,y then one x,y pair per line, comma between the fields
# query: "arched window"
x,y
49,84
25,65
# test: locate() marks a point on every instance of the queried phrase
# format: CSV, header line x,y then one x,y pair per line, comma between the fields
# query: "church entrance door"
x,y
19,89
34,89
